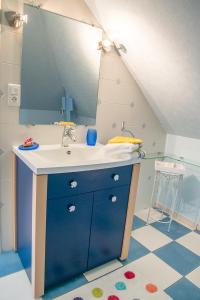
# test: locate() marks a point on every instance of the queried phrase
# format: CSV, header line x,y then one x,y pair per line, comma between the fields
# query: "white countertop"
x,y
53,159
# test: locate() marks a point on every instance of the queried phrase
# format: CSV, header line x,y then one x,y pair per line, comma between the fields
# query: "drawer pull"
x,y
71,208
73,184
113,198
116,177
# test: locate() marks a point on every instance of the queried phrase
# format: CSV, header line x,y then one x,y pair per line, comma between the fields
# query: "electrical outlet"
x,y
14,93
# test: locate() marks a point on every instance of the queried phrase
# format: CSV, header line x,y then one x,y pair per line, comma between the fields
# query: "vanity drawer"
x,y
83,182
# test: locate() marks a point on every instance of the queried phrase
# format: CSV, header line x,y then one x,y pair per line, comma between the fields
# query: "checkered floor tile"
x,y
170,260
136,251
9,263
191,241
150,237
138,223
178,257
176,231
183,290
194,276
154,215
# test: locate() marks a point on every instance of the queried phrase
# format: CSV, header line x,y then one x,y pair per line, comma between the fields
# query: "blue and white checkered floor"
x,y
170,260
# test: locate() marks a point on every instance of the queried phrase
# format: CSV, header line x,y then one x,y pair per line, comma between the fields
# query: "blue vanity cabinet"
x,y
85,221
107,228
71,222
67,237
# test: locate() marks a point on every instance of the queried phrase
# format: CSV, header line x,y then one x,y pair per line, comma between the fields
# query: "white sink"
x,y
50,159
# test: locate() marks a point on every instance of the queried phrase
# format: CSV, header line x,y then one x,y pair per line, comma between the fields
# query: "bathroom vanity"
x,y
74,214
73,206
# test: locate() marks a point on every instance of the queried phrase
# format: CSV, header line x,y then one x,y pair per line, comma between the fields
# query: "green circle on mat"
x,y
120,286
97,292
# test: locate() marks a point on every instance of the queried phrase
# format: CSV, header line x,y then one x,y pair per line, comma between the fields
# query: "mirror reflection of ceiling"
x,y
59,77
163,42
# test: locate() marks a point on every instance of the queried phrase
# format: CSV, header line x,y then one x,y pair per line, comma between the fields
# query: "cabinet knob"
x,y
71,208
73,184
116,177
113,198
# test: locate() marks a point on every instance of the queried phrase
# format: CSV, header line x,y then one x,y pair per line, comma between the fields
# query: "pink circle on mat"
x,y
129,275
113,297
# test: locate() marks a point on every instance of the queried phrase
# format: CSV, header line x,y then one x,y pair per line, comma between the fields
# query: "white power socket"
x,y
14,93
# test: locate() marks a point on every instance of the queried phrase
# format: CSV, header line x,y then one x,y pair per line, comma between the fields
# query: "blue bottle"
x,y
91,137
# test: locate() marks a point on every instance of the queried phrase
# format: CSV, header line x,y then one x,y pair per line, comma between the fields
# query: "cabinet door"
x,y
67,237
108,221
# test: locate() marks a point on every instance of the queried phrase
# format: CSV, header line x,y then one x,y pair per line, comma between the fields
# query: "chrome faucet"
x,y
123,129
68,132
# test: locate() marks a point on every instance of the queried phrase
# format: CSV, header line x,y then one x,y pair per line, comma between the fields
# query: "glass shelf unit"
x,y
190,191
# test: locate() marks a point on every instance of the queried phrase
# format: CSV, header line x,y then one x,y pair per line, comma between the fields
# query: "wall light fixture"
x,y
107,45
15,19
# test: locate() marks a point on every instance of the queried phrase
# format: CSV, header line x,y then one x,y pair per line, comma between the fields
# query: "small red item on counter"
x,y
28,142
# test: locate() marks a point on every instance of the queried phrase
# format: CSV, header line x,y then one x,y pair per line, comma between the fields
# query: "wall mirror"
x,y
60,69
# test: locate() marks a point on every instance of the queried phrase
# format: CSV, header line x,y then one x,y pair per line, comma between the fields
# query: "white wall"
x,y
120,99
183,146
163,45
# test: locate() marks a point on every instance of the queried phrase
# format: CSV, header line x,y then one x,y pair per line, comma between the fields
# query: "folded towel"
x,y
124,139
120,150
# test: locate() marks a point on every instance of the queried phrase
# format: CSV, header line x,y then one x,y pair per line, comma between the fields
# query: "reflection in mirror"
x,y
60,69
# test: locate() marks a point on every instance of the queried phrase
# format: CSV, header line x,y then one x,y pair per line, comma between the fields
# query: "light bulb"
x,y
107,45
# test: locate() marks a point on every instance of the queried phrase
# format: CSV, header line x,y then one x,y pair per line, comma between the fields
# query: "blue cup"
x,y
91,137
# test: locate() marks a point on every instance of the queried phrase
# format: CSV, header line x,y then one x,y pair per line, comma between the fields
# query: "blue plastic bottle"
x,y
91,137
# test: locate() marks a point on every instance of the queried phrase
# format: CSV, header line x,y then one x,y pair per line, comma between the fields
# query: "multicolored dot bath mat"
x,y
126,283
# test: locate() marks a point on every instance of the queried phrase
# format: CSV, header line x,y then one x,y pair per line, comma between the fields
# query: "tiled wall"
x,y
119,99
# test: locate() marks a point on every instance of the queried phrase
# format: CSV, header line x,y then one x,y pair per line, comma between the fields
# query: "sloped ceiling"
x,y
162,38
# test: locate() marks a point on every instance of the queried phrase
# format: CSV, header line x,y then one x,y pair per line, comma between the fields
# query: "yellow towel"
x,y
124,139
62,123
